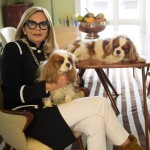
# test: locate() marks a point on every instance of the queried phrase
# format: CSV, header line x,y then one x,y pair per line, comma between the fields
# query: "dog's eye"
x,y
116,45
70,60
126,48
60,61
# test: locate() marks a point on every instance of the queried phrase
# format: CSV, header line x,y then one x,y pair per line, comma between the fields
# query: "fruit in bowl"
x,y
91,24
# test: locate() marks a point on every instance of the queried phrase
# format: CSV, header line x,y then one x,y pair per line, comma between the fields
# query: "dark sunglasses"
x,y
32,24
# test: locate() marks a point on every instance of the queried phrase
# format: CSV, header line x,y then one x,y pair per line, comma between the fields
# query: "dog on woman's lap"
x,y
60,62
108,51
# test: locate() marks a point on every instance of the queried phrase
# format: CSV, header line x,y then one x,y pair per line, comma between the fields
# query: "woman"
x,y
35,41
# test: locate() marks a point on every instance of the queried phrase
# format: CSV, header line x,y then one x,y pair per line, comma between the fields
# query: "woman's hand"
x,y
61,82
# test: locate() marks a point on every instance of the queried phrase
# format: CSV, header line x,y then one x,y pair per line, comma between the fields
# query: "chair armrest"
x,y
26,113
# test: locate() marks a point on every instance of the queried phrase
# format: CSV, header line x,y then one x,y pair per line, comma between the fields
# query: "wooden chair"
x,y
12,127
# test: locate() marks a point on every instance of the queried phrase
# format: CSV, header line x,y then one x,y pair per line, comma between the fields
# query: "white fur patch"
x,y
62,53
122,41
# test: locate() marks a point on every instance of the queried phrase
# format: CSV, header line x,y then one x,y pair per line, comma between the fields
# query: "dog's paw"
x,y
81,94
47,103
141,59
68,99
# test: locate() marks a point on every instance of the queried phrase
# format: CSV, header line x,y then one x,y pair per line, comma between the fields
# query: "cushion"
x,y
33,144
11,128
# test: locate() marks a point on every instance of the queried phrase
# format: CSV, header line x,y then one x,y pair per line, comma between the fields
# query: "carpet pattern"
x,y
129,101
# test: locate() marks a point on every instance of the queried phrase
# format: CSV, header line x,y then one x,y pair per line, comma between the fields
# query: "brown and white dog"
x,y
112,50
60,62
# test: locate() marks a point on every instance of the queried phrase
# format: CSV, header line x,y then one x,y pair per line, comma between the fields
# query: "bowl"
x,y
92,28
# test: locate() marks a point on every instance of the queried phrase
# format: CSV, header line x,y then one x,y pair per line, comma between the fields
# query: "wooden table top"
x,y
90,64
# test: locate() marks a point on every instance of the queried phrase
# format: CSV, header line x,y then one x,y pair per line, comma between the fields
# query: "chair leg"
x,y
79,140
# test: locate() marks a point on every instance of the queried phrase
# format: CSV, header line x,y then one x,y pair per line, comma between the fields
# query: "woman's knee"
x,y
91,125
96,125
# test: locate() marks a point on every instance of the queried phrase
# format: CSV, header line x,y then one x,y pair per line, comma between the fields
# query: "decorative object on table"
x,y
108,51
92,24
68,21
60,62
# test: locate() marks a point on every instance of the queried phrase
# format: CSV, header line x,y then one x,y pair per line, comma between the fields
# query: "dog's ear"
x,y
132,55
49,72
72,74
108,46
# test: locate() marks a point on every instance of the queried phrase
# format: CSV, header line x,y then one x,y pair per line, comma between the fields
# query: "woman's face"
x,y
36,28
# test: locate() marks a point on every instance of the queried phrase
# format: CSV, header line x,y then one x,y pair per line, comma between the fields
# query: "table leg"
x,y
145,108
81,72
109,83
147,70
103,81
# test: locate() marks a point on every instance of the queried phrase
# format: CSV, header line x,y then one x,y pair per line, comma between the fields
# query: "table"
x,y
99,66
66,35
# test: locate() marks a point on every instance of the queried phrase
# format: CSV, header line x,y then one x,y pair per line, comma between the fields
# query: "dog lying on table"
x,y
109,51
61,62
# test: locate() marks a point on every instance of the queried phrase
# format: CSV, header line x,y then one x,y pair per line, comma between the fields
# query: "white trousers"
x,y
94,117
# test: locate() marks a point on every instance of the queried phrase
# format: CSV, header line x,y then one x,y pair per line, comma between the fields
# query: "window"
x,y
103,6
128,9
116,11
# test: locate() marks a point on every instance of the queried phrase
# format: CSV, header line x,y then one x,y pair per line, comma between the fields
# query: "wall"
x,y
1,19
61,9
58,11
43,3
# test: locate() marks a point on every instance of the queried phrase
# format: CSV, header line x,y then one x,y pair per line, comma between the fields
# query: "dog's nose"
x,y
117,51
68,64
